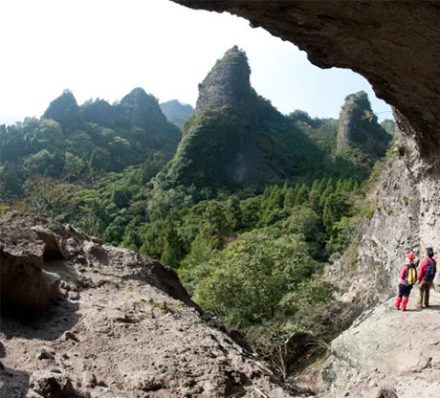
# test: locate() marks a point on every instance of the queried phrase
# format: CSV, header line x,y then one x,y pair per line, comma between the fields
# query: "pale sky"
x,y
105,48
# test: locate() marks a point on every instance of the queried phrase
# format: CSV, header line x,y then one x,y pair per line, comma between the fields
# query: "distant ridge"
x,y
176,112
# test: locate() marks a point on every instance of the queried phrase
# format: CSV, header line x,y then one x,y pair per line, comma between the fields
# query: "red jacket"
x,y
423,266
404,274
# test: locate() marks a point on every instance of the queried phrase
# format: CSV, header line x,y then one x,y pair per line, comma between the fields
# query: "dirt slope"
x,y
114,332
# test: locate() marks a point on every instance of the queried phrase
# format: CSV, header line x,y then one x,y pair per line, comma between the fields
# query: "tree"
x,y
45,196
336,206
121,196
302,195
173,250
247,280
290,198
233,215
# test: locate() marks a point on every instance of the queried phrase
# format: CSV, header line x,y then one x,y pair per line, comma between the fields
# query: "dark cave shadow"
x,y
48,324
14,383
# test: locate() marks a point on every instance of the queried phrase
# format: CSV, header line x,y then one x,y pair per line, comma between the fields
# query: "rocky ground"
x,y
84,319
385,354
107,325
388,351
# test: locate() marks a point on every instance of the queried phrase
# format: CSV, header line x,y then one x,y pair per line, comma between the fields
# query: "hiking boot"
x,y
397,302
404,303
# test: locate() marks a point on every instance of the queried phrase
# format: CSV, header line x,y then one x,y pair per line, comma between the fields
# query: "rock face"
x,y
136,110
393,44
237,138
122,326
366,363
176,112
359,133
23,283
65,111
139,109
228,83
407,217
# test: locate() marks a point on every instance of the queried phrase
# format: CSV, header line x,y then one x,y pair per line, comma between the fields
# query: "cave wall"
x,y
394,44
406,218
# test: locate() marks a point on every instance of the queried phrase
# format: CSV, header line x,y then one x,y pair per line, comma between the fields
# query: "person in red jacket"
x,y
425,277
408,277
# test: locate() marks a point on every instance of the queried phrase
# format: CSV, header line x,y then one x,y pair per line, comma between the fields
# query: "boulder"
x,y
23,282
52,384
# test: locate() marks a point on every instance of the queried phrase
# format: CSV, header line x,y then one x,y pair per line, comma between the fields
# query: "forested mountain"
x,y
176,112
323,132
248,206
72,141
360,135
236,138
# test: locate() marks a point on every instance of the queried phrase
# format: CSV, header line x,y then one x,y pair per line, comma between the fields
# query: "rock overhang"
x,y
394,45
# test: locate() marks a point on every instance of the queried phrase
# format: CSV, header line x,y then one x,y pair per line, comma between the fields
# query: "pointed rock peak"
x,y
139,97
228,82
141,109
64,110
356,108
359,130
360,95
235,55
357,101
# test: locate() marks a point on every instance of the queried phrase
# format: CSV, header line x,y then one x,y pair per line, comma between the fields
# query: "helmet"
x,y
410,256
430,251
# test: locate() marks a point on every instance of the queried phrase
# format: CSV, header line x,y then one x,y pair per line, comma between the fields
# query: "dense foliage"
x,y
68,143
237,140
247,209
255,261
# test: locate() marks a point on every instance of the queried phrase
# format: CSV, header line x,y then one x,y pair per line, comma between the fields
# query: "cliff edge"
x,y
84,319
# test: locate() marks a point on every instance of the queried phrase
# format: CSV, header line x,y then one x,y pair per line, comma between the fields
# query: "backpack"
x,y
430,271
411,276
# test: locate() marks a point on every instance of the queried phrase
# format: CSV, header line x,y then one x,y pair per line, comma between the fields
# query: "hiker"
x,y
425,278
408,277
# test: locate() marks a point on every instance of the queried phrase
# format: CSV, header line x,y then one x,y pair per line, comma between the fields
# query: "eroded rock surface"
x,y
359,133
227,83
23,283
406,204
122,326
387,352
